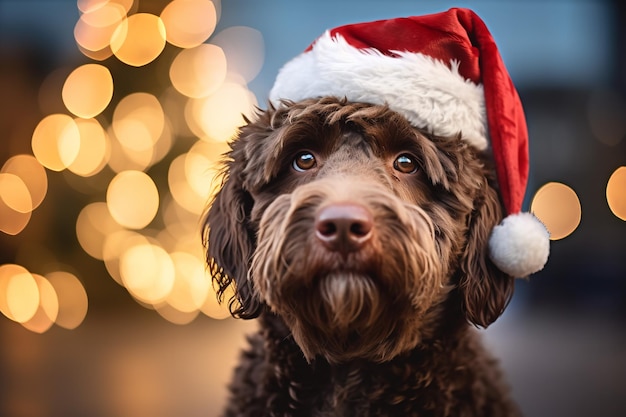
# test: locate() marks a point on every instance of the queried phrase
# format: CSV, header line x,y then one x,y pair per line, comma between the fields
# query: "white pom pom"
x,y
520,245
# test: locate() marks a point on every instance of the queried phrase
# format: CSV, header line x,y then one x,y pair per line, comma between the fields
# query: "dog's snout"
x,y
344,227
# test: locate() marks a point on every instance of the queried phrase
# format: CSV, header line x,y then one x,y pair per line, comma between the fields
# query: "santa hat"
x,y
444,73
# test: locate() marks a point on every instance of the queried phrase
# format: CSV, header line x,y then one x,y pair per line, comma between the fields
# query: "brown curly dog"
x,y
360,243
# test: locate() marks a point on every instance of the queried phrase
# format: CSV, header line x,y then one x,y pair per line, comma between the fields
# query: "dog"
x,y
370,223
360,243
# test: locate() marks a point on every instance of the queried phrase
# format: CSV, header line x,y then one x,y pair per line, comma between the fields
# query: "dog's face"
x,y
355,228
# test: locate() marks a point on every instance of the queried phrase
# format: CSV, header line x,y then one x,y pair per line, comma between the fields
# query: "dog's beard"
x,y
347,300
366,305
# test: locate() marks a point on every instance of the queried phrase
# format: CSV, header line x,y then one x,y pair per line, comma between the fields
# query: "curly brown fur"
x,y
380,329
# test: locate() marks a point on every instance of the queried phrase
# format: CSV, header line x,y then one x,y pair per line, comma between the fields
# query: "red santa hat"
x,y
444,73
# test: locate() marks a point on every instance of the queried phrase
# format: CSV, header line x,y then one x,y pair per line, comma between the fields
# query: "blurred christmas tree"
x,y
123,163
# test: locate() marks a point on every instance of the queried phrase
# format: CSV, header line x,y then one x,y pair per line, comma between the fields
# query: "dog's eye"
x,y
304,161
405,164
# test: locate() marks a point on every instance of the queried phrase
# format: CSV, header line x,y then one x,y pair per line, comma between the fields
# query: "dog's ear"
x,y
485,290
229,240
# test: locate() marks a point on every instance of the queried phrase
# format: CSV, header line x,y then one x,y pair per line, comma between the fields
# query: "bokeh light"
x,y
132,199
86,6
182,191
202,167
616,192
147,272
7,272
20,293
93,225
198,72
23,185
558,207
56,141
72,299
191,285
32,173
124,158
175,316
14,193
12,222
48,308
138,121
221,114
188,23
139,40
115,245
244,48
94,150
96,26
163,144
88,90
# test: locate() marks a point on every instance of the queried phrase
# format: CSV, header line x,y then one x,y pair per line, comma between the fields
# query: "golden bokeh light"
x,y
48,309
163,144
176,237
188,23
143,153
616,192
139,39
94,151
244,48
95,27
7,271
174,104
21,293
23,185
133,135
182,191
202,167
123,158
32,173
191,285
558,207
14,193
115,245
100,55
132,199
86,6
198,72
88,90
191,115
93,225
147,272
12,222
56,141
175,316
221,114
72,299
138,121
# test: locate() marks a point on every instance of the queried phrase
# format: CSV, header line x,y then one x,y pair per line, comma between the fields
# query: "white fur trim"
x,y
426,91
519,245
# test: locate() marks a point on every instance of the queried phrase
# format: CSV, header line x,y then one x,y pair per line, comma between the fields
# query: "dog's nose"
x,y
344,227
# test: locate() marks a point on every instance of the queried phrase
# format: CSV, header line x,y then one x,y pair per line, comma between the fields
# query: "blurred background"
x,y
112,116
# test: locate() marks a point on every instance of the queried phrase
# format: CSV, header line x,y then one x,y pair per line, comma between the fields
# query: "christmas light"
x,y
558,208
